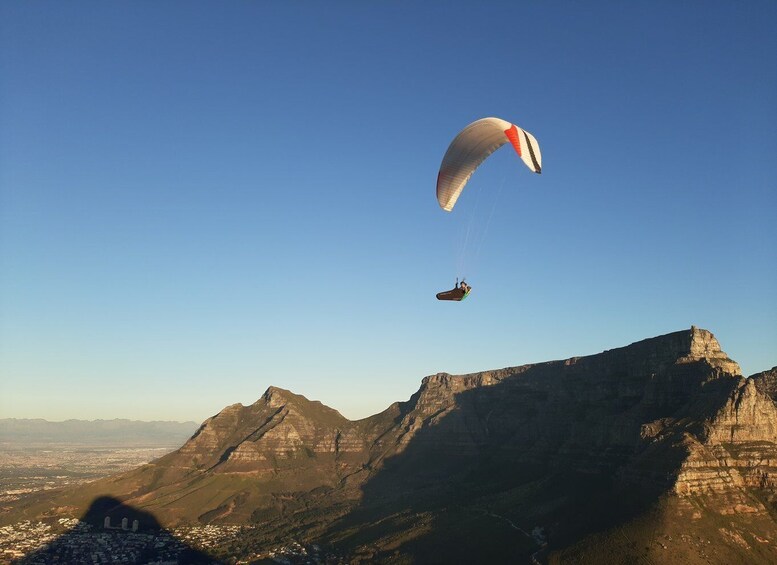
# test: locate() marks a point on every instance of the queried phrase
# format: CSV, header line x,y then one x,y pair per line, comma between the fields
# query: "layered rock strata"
x,y
672,411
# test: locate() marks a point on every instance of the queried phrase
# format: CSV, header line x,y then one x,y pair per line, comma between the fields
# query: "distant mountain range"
x,y
657,452
103,433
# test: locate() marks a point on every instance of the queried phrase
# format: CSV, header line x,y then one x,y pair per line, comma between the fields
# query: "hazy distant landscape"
x,y
118,433
39,455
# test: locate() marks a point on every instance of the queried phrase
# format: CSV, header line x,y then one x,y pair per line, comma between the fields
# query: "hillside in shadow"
x,y
113,532
534,462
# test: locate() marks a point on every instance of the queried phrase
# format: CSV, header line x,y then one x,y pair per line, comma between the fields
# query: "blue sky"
x,y
199,200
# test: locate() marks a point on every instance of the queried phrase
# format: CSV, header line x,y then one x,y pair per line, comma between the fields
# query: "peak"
x,y
688,346
692,340
278,397
274,394
703,342
436,377
703,345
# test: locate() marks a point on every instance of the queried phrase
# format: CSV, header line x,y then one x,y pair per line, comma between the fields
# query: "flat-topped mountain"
x,y
660,450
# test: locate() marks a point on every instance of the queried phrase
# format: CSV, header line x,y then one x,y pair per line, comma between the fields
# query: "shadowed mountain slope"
x,y
590,458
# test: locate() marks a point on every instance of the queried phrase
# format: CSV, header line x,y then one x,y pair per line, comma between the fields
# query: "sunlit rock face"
x,y
738,446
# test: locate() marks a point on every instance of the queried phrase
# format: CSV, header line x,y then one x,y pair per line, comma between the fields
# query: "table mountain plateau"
x,y
660,452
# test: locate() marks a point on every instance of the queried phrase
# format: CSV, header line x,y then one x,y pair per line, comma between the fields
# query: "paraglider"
x,y
466,153
457,293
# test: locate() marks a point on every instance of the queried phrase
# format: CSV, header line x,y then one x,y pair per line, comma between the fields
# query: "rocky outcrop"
x,y
738,446
766,382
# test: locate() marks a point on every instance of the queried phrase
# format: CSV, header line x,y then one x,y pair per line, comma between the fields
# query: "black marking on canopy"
x,y
537,168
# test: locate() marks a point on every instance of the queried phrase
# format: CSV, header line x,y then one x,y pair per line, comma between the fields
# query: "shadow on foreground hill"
x,y
132,536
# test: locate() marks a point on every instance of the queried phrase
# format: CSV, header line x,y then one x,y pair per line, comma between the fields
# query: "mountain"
x,y
660,451
103,433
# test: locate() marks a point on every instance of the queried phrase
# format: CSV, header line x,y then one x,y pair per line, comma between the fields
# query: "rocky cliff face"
x,y
672,410
670,416
737,447
766,382
590,414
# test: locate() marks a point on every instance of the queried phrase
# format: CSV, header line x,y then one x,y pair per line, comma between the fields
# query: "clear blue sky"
x,y
200,199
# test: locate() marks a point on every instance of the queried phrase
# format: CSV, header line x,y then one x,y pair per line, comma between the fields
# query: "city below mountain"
x,y
657,452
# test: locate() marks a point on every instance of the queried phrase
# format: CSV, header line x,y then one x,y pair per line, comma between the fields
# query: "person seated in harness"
x,y
458,293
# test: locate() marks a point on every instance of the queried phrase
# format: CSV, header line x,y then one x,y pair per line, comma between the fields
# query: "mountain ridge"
x,y
639,434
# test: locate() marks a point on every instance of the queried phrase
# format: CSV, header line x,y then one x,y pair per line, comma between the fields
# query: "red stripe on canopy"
x,y
512,135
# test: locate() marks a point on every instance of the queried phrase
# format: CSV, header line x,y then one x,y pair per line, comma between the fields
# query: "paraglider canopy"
x,y
472,146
